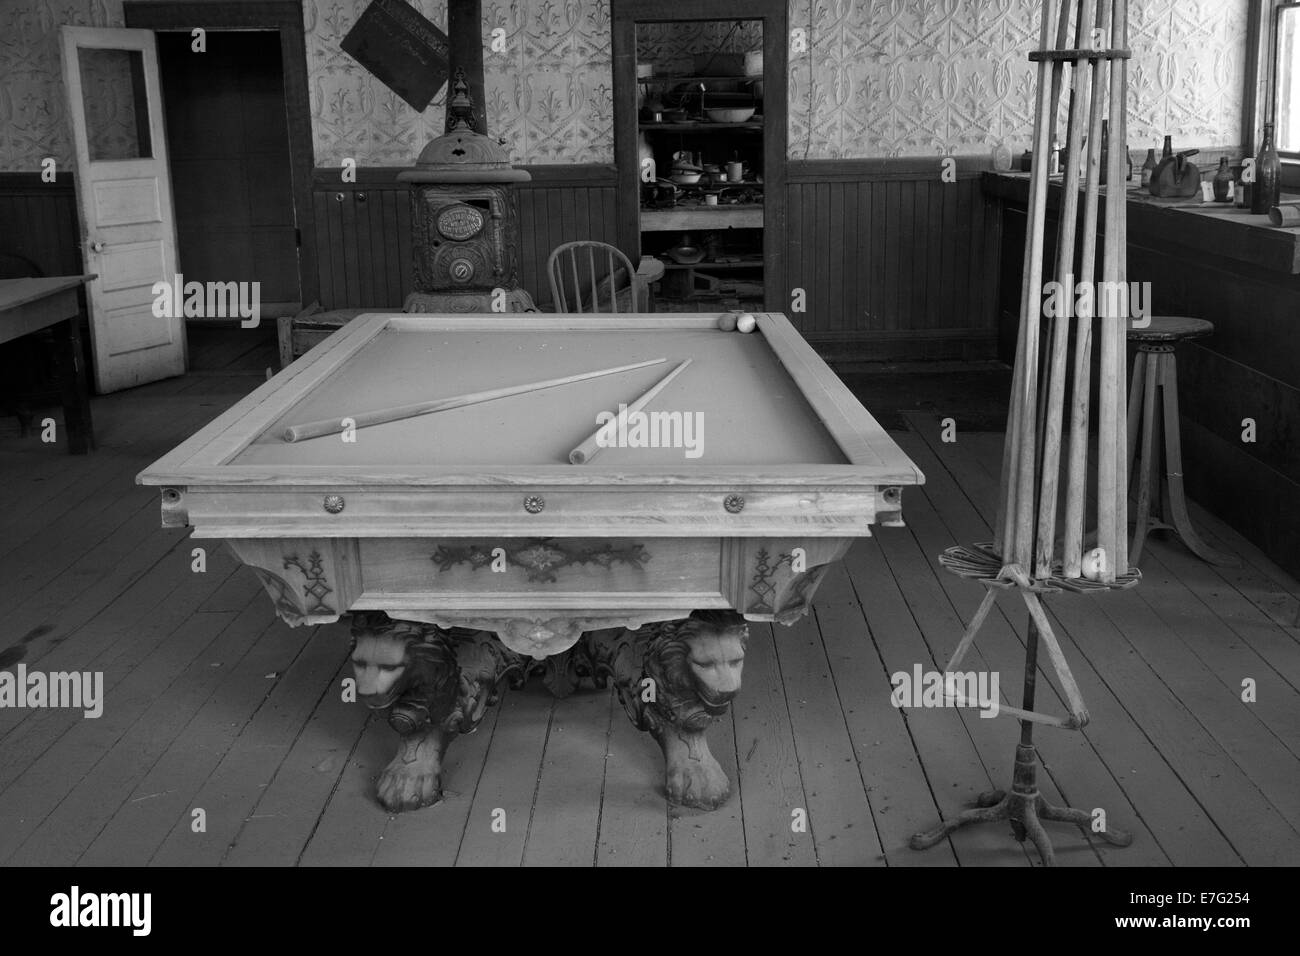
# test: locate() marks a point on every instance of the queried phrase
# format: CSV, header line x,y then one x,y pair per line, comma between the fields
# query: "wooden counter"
x,y
1217,229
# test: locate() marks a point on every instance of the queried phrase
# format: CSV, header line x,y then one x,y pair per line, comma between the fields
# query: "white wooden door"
x,y
124,201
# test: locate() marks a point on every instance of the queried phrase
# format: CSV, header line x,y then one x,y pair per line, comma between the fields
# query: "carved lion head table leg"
x,y
433,683
675,679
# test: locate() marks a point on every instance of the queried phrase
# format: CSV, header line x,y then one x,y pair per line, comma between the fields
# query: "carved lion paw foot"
x,y
414,777
692,777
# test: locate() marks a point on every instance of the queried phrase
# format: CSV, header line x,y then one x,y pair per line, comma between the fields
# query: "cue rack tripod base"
x,y
1023,806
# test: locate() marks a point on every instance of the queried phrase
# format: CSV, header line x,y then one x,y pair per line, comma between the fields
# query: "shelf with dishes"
x,y
702,217
700,126
709,264
723,265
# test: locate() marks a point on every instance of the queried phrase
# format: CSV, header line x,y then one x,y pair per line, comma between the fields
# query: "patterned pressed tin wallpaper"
x,y
918,77
879,78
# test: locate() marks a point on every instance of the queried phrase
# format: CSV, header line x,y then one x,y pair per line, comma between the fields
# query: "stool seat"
x,y
1171,328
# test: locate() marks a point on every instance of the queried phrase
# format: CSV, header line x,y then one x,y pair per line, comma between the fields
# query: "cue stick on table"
x,y
589,448
332,426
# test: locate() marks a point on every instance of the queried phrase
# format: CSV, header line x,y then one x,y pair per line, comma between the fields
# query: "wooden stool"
x,y
1155,367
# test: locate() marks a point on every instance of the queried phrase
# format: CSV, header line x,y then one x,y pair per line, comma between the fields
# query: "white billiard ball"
x,y
1094,564
746,323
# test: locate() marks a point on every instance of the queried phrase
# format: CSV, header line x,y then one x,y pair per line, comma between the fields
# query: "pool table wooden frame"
x,y
276,517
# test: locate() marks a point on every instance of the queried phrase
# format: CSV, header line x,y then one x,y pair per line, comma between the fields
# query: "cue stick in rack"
x,y
1112,327
1075,493
333,426
1031,310
1051,444
1005,523
590,448
1119,563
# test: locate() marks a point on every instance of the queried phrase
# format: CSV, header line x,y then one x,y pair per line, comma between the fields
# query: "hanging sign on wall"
x,y
406,52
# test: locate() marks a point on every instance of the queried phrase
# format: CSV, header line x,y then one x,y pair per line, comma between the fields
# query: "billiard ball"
x,y
1094,564
746,323
727,322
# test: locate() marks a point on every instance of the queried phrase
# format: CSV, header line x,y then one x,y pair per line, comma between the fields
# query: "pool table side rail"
x,y
876,460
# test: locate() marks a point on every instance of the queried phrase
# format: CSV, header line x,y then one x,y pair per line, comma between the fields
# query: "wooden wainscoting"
x,y
38,220
363,229
894,262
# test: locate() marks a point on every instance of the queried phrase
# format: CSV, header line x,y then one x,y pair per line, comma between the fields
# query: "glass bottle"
x,y
1268,175
1105,152
1223,182
1148,167
1169,148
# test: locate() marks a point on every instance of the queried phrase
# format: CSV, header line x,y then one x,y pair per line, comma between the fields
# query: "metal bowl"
x,y
686,255
731,115
686,179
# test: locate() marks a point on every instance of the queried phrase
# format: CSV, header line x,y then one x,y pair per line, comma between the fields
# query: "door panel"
x,y
124,202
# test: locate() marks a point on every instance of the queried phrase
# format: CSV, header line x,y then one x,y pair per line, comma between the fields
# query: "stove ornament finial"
x,y
459,105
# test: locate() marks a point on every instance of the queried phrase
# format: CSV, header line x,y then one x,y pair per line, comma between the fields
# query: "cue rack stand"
x,y
1054,354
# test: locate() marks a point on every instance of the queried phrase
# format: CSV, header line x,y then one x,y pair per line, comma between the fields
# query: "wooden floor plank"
x,y
179,675
277,830
231,790
92,582
633,810
157,768
114,644
839,813
566,812
1218,709
771,789
509,781
432,836
352,823
952,765
713,837
1227,630
887,760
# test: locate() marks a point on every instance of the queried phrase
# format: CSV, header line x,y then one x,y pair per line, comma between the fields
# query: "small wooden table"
x,y
29,305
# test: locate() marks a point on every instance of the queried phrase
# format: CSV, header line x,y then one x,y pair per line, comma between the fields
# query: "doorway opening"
x,y
231,171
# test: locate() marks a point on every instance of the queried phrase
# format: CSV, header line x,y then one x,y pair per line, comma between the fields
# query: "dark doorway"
x,y
228,145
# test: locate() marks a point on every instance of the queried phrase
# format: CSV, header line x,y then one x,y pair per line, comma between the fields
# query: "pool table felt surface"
x,y
753,411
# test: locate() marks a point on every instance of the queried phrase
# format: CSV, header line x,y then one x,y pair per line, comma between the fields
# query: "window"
x,y
1286,78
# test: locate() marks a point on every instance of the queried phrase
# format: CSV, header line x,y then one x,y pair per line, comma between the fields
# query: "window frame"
x,y
1273,88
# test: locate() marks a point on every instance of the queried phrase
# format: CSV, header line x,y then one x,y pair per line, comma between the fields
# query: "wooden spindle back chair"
x,y
592,276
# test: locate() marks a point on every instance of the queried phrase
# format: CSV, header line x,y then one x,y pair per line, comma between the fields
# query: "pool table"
x,y
469,550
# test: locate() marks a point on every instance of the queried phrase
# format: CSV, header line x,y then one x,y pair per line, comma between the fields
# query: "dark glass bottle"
x,y
1223,182
1268,175
1169,148
1105,151
1148,167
